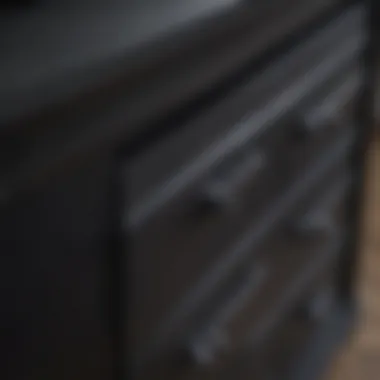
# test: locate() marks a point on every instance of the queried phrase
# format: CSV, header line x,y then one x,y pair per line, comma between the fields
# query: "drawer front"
x,y
149,284
187,239
279,355
191,238
295,268
168,167
190,232
280,272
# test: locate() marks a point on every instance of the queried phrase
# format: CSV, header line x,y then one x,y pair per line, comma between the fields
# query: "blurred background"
x,y
360,356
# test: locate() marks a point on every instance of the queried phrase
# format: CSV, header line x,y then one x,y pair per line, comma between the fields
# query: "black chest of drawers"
x,y
180,196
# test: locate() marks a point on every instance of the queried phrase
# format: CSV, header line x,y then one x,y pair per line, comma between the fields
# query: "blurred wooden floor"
x,y
360,358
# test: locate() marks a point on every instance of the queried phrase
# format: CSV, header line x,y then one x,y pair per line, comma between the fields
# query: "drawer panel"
x,y
171,165
191,232
162,303
189,237
300,250
279,355
283,270
213,351
298,268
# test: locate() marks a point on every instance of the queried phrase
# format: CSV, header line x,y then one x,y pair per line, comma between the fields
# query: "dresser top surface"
x,y
61,42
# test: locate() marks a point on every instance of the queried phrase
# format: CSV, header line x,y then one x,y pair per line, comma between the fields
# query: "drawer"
x,y
189,152
153,324
191,230
297,270
189,236
303,247
279,356
192,237
212,200
284,270
274,358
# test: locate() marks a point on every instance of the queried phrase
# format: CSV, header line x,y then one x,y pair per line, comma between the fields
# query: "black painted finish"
x,y
55,273
139,46
164,225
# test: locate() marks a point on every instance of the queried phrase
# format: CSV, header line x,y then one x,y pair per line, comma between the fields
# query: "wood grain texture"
x,y
360,358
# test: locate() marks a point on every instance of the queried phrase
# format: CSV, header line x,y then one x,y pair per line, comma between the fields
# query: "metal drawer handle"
x,y
224,188
320,304
329,108
320,219
205,346
319,223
